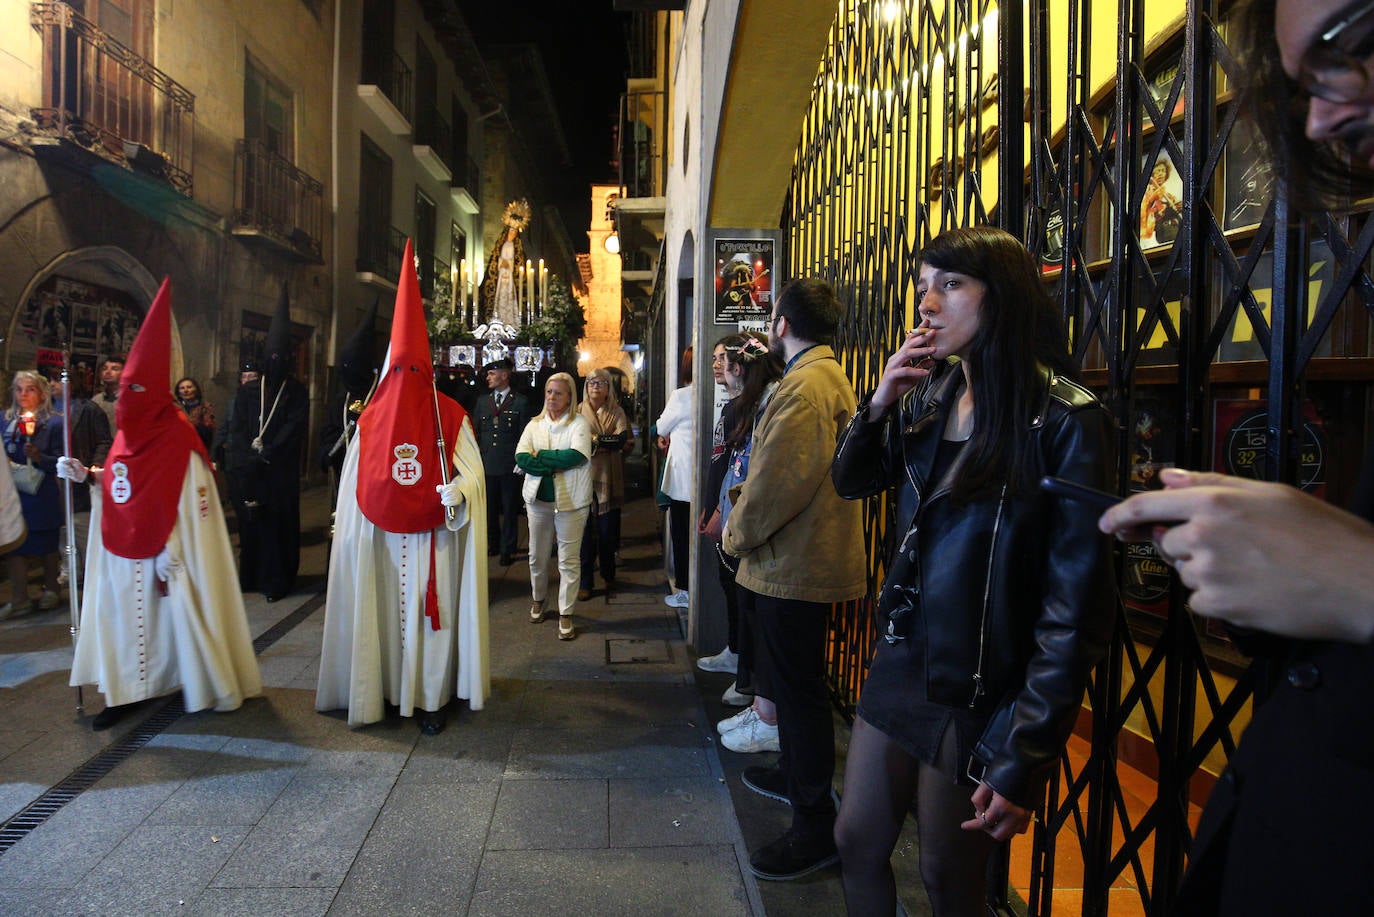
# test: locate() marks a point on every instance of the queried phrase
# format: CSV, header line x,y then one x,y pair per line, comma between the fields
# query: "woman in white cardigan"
x,y
675,430
553,452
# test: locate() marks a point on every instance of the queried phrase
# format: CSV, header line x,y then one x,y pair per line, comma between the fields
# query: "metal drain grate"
x,y
17,827
620,651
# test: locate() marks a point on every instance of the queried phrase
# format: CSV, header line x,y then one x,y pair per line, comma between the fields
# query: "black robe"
x,y
265,486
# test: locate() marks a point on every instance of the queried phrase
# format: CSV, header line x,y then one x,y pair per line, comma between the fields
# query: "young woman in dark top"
x,y
998,597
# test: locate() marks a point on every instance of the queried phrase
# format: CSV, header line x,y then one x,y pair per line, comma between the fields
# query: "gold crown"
x,y
405,451
121,470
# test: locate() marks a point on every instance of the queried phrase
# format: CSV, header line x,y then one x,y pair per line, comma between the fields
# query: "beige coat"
x,y
795,537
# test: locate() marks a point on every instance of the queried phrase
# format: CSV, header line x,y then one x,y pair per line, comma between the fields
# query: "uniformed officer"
x,y
501,415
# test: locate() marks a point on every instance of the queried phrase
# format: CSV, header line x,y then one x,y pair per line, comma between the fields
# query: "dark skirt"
x,y
38,544
894,702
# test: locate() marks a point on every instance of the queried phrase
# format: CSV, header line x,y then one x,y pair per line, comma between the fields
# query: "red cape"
x,y
399,461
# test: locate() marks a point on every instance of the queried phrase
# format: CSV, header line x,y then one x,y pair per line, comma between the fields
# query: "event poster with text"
x,y
744,280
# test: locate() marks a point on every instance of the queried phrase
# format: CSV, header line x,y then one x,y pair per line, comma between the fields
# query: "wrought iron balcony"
x,y
276,201
434,145
433,131
384,69
103,97
380,250
466,183
643,131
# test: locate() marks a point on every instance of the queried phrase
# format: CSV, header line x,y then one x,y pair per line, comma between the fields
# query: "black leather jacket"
x,y
1011,595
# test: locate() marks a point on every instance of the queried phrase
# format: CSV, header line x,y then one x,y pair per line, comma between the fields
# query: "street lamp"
x,y
613,243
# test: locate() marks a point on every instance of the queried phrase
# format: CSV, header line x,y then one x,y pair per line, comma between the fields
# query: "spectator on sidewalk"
x,y
553,452
611,439
801,549
111,368
33,441
200,412
676,434
750,374
998,597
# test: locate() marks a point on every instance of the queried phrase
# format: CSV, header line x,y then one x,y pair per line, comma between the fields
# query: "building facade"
x,y
145,140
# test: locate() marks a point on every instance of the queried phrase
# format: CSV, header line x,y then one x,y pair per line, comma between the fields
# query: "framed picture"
x,y
1247,179
1161,206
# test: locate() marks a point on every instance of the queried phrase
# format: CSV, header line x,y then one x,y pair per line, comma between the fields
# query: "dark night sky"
x,y
583,44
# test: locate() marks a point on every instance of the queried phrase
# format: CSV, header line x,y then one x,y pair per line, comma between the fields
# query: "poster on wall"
x,y
1145,578
1161,206
89,320
1241,441
744,280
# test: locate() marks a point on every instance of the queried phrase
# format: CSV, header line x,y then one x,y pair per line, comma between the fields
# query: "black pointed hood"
x,y
277,358
357,364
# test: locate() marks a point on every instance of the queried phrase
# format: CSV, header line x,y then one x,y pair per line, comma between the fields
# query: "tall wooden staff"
x,y
73,598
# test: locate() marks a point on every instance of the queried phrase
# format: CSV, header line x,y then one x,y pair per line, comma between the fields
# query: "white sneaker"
x,y
676,600
48,600
735,699
754,736
724,661
731,723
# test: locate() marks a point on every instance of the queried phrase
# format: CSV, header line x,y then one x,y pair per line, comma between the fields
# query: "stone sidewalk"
x,y
591,781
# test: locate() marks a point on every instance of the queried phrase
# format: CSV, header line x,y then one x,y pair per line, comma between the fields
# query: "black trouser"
x,y
599,541
679,514
503,512
789,645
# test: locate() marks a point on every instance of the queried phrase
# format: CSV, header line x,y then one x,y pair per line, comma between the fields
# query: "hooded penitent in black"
x,y
266,437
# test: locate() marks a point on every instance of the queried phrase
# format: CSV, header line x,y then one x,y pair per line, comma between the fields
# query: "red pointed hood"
x,y
147,462
399,462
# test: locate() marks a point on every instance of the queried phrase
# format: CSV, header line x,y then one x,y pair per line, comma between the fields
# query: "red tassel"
x,y
432,590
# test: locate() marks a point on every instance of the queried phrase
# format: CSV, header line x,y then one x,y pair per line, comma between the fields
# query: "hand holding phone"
x,y
1099,499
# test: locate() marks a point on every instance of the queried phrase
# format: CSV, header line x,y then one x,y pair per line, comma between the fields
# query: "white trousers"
x,y
545,522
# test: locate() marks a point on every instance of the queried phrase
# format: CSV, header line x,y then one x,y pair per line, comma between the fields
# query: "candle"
x,y
29,424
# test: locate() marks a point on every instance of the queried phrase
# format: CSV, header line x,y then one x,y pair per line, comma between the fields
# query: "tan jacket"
x,y
795,537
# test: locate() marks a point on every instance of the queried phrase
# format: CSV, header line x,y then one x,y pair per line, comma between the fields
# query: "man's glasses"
x,y
1336,66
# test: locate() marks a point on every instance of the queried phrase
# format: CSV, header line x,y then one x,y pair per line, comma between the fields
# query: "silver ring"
x,y
983,817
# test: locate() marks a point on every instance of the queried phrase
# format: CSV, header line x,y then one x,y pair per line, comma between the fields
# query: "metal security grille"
x,y
1222,331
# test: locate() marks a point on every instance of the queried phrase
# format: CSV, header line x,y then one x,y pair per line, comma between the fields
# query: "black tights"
x,y
880,781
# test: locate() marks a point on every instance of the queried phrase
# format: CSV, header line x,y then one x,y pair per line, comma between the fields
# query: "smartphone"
x,y
1099,499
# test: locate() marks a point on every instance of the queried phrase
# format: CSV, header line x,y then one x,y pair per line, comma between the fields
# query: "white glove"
x,y
450,494
71,469
166,565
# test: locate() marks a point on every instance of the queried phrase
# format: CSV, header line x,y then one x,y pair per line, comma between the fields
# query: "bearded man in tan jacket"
x,y
801,549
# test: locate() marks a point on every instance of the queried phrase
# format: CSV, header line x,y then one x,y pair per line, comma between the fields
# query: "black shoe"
x,y
767,781
109,716
505,560
794,855
433,723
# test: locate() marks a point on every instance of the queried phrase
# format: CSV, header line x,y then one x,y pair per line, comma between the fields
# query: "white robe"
x,y
378,645
12,528
135,644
